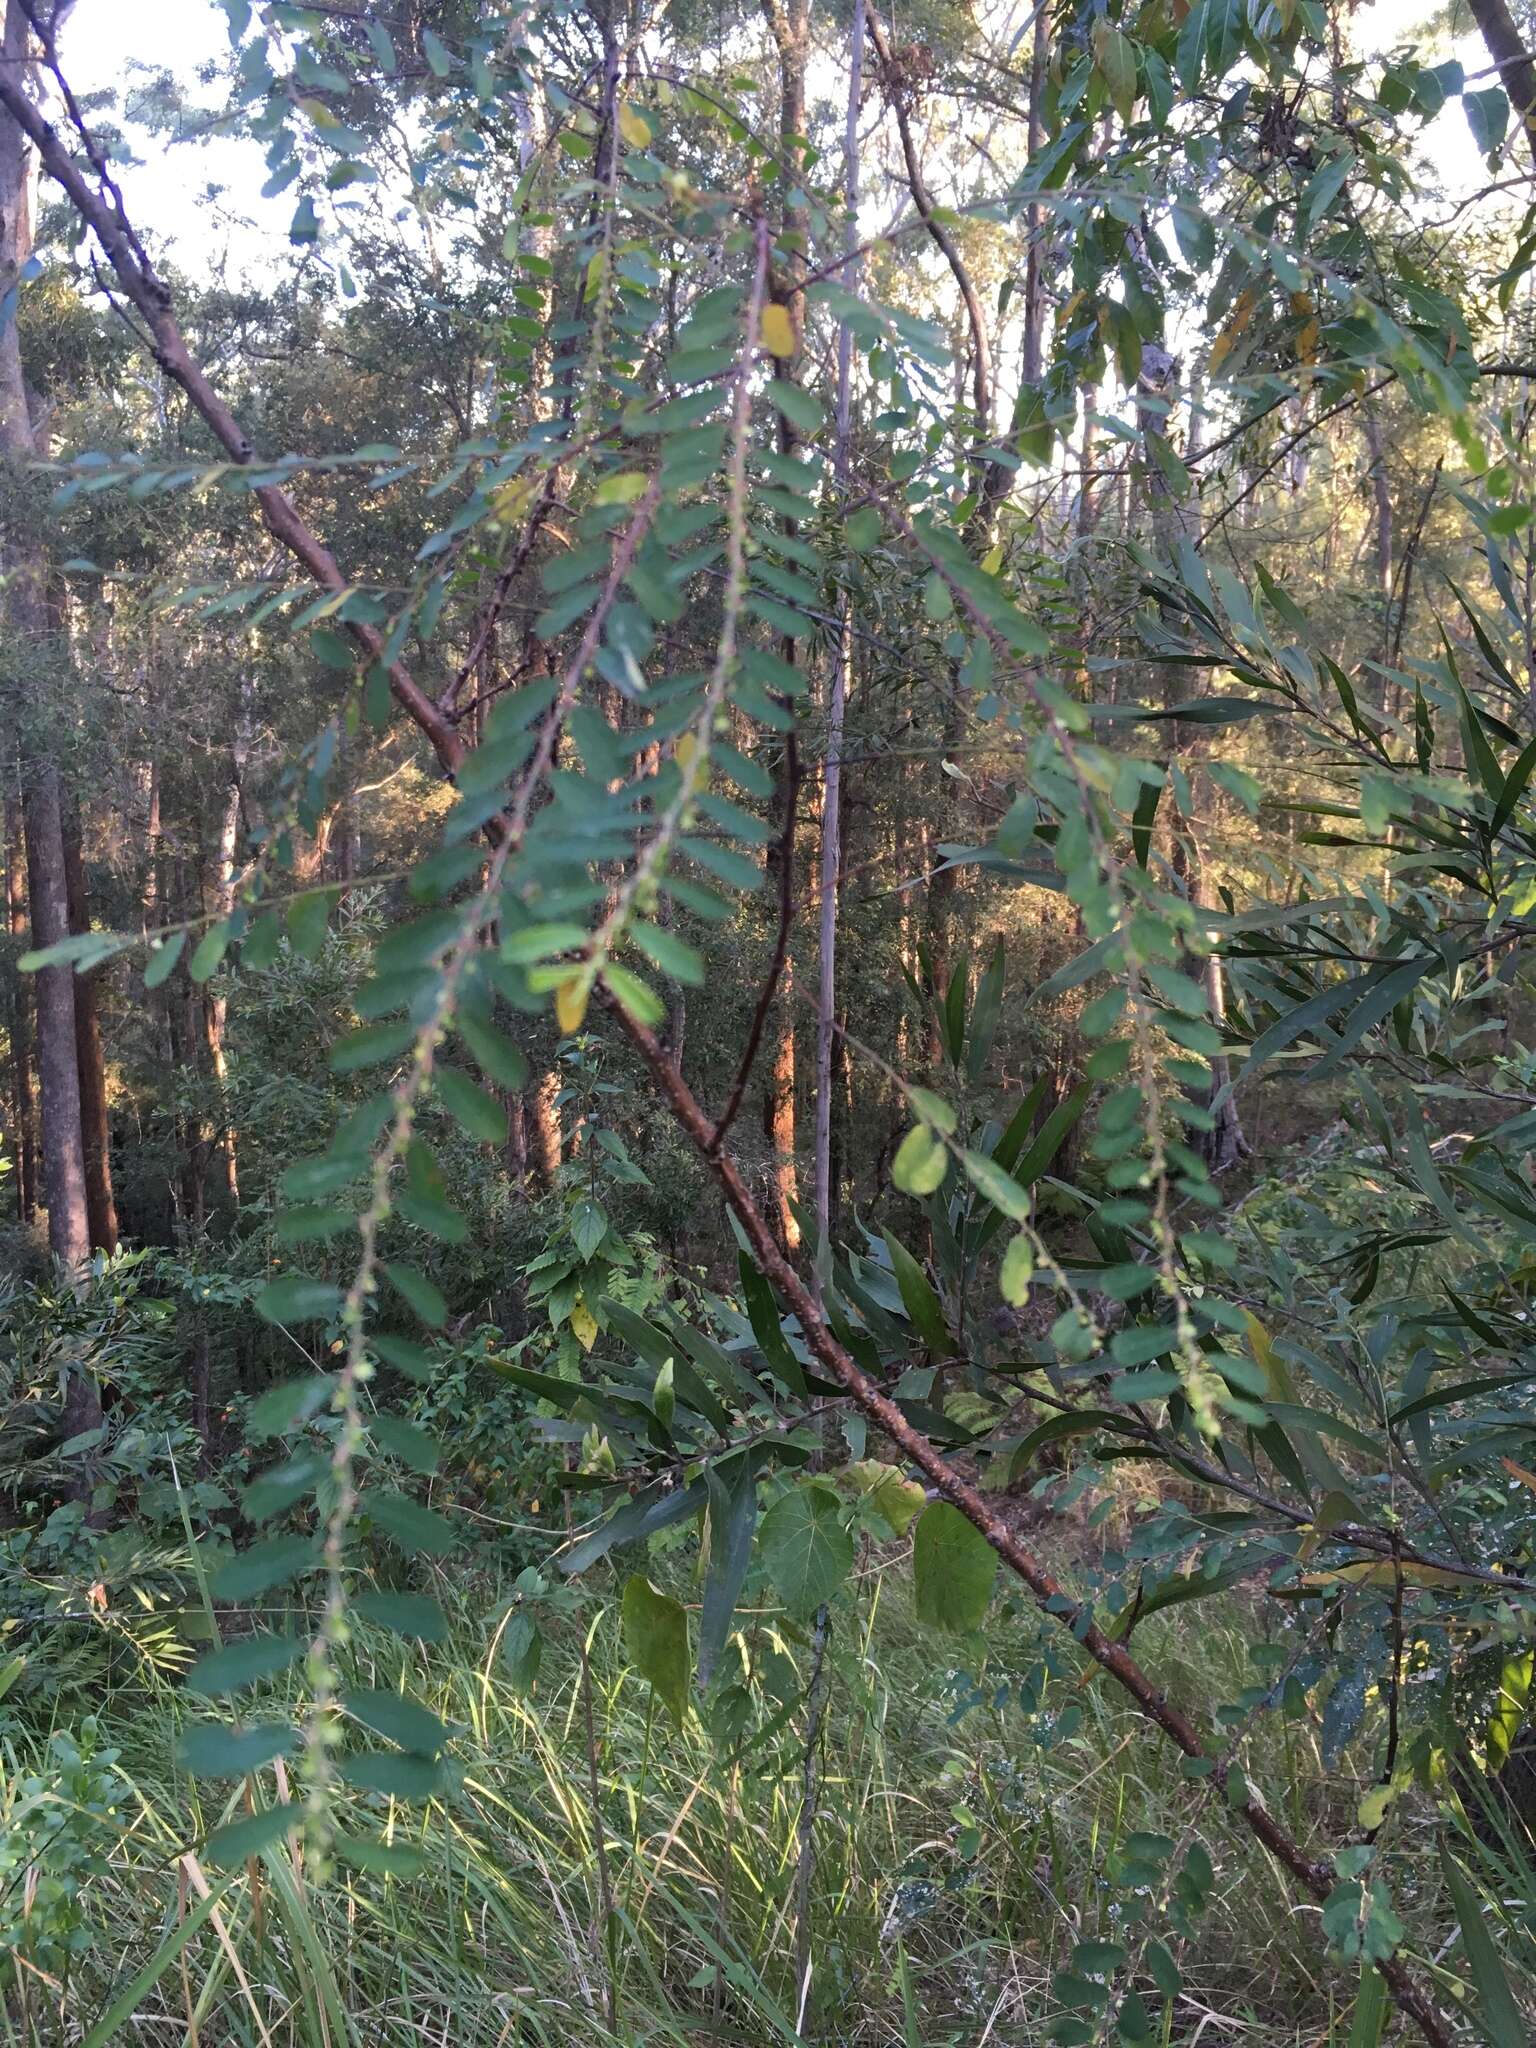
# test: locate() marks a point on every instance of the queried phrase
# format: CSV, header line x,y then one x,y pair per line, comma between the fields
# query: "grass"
x,y
963,1847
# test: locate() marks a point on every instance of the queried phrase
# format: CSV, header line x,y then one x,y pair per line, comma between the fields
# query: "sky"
x,y
104,39
102,42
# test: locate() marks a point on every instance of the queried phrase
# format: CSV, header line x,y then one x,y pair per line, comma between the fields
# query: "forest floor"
x,y
963,1846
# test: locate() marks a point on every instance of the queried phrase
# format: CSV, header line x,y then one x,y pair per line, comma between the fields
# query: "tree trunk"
x,y
1381,538
216,1003
544,1116
64,1177
27,623
95,1127
21,1019
1224,1144
842,671
1517,73
1033,357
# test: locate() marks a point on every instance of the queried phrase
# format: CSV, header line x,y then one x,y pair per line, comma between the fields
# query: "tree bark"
x,y
1517,72
64,1178
842,673
27,621
95,1125
21,1019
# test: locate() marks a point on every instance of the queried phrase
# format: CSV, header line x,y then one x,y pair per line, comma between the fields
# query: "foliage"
x,y
1050,1298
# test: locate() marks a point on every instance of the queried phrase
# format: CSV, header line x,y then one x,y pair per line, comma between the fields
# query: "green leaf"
x,y
954,1568
505,1063
306,921
163,958
380,1859
732,1520
423,1294
209,1749
1018,1270
403,1440
798,407
1510,1708
211,948
264,1566
472,1106
394,1772
285,1408
241,1663
243,1839
416,1529
589,1226
1498,2009
1000,1189
918,1298
921,1162
398,1719
296,1298
806,1547
1487,113
656,1637
404,1614
414,1360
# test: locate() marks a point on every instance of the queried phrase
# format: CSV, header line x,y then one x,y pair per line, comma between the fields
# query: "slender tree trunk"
x,y
27,624
842,669
789,25
95,1126
215,1002
1223,1145
1033,356
1381,538
544,1117
64,1177
21,1018
1517,73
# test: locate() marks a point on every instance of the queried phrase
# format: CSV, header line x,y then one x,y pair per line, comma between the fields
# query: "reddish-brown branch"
x,y
1315,1876
152,299
770,987
150,296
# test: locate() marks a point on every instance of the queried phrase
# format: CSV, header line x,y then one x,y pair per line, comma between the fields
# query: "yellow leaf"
x,y
622,488
571,999
1385,1574
992,561
634,128
1307,341
584,1324
776,331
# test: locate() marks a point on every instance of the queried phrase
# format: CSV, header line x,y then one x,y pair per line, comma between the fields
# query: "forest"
x,y
767,1068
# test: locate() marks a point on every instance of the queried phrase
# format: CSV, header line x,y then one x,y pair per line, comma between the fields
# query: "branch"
x,y
1314,1876
103,213
996,478
1516,71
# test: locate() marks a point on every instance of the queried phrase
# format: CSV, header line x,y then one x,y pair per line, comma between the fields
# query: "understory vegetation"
x,y
769,1072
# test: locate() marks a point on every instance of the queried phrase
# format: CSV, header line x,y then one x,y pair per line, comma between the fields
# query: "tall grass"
x,y
961,1850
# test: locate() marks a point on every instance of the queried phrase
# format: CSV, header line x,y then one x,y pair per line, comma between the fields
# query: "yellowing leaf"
x,y
1018,1271
584,1325
571,999
1372,1810
1384,1573
776,331
634,128
622,489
